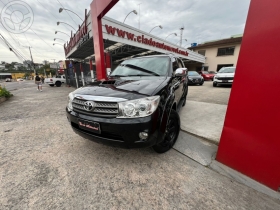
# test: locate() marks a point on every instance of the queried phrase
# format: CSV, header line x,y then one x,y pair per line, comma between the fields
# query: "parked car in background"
x,y
224,77
195,78
8,80
57,80
207,75
19,79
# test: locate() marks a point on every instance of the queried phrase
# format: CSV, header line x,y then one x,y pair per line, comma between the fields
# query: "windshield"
x,y
227,70
205,72
193,73
145,66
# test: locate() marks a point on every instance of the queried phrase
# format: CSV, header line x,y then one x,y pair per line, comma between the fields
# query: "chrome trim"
x,y
99,98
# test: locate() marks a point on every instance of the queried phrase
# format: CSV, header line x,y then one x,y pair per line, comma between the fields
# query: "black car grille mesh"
x,y
224,78
102,109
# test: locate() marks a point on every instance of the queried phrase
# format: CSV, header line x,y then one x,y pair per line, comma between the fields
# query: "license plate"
x,y
224,80
89,126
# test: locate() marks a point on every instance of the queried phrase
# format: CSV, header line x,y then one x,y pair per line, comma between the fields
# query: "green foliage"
x,y
4,92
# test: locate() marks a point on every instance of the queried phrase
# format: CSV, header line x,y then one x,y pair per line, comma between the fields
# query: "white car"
x,y
57,80
224,77
20,79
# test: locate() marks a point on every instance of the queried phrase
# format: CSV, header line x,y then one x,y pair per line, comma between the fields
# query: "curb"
x,y
3,99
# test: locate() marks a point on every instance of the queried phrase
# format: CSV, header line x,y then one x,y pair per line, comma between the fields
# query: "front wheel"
x,y
171,133
51,85
214,84
201,83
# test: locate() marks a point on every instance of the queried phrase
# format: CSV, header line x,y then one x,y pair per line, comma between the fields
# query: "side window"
x,y
175,65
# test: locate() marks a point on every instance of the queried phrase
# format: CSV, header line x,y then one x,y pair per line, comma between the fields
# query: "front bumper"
x,y
223,82
195,81
120,132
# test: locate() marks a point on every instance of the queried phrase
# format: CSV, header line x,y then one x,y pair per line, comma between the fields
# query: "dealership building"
x,y
121,42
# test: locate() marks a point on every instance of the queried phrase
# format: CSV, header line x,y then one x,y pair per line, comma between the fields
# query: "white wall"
x,y
212,60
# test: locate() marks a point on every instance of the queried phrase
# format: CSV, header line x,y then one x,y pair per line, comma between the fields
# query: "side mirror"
x,y
180,72
108,70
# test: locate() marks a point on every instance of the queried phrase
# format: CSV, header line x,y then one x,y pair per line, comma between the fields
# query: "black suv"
x,y
136,107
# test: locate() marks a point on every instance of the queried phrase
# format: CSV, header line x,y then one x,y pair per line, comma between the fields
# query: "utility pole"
x,y
32,60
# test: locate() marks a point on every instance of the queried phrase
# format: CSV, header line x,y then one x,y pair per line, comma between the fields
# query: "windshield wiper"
x,y
117,75
140,69
138,75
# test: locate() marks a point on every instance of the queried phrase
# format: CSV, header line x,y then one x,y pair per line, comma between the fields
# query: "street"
x,y
17,85
45,165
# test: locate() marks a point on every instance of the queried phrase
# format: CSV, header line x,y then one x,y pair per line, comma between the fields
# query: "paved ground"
x,y
205,108
44,165
16,85
209,94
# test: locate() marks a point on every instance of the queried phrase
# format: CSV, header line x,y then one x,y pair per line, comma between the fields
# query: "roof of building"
x,y
232,40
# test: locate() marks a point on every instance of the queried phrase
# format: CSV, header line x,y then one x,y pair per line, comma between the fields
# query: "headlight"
x,y
138,108
70,99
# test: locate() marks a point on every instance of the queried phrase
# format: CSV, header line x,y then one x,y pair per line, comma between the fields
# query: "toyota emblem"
x,y
89,105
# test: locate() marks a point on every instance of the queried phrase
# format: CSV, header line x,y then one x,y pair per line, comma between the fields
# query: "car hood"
x,y
128,88
224,74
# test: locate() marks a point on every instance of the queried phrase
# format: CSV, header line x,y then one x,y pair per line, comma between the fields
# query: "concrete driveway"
x,y
45,165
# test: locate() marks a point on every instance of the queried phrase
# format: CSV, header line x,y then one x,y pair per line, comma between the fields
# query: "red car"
x,y
206,75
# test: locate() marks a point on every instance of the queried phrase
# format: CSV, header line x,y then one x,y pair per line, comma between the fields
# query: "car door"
x,y
182,78
176,83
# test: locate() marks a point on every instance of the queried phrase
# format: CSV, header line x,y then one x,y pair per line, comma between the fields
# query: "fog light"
x,y
143,135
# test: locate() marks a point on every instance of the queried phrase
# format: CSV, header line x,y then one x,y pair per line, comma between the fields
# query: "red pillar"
x,y
250,141
98,9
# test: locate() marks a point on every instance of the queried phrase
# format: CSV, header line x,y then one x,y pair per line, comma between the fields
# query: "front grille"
x,y
224,78
101,109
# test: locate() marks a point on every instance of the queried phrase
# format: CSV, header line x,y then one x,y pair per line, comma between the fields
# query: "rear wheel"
x,y
58,84
51,85
171,133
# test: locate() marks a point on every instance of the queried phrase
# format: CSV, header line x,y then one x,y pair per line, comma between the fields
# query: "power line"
x,y
44,41
36,34
11,48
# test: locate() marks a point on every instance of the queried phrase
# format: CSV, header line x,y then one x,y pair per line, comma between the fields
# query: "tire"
x,y
58,84
171,133
214,84
51,85
201,83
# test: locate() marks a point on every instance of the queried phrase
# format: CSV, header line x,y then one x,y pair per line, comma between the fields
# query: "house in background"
x,y
218,53
18,65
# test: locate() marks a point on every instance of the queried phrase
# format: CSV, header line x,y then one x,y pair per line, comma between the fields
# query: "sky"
x,y
203,20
